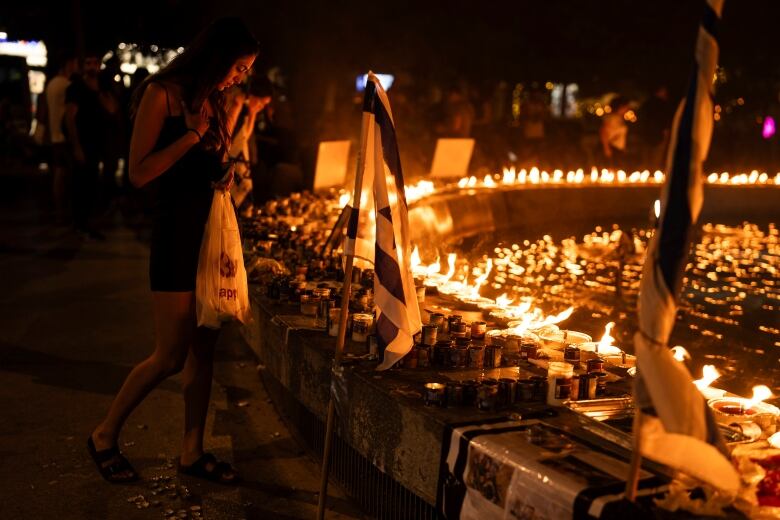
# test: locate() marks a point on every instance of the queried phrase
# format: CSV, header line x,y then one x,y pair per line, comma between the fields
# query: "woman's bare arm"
x,y
235,103
145,164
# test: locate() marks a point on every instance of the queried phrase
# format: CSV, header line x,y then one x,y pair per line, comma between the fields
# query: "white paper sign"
x,y
332,159
452,157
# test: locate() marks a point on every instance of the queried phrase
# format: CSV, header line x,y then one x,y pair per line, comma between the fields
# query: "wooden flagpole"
x,y
632,482
345,292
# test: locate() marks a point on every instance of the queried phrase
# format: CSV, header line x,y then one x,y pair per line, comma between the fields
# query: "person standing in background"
x,y
67,66
115,140
614,133
655,123
85,118
259,93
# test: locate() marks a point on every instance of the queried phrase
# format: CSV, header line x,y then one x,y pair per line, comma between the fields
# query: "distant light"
x,y
122,45
127,80
549,85
117,78
180,50
740,101
769,127
386,80
3,36
657,208
154,48
128,68
33,51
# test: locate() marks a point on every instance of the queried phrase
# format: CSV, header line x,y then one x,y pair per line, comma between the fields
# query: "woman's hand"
x,y
226,182
255,104
198,120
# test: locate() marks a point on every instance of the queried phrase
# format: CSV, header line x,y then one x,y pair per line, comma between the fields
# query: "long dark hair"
x,y
202,65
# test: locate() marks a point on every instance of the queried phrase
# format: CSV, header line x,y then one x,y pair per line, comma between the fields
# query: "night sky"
x,y
625,46
596,43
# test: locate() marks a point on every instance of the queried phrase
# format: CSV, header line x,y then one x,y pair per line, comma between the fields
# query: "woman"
x,y
179,142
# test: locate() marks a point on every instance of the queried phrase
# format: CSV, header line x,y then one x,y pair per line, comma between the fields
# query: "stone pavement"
x,y
75,316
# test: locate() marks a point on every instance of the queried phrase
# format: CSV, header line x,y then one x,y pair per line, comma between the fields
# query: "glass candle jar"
x,y
559,376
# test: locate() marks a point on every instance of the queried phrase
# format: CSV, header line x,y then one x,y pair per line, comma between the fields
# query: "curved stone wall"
x,y
562,211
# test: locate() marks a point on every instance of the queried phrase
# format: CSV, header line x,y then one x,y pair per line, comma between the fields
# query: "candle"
x,y
454,394
571,354
441,353
558,382
478,329
438,319
559,338
731,410
309,305
487,395
361,325
434,394
429,334
493,355
476,356
507,388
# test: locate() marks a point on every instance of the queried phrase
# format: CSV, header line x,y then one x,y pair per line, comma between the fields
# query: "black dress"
x,y
182,196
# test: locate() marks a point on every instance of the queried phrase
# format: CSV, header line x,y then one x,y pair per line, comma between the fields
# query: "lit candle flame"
x,y
510,175
760,393
556,319
606,340
433,268
709,374
680,354
451,263
503,301
416,259
657,208
472,291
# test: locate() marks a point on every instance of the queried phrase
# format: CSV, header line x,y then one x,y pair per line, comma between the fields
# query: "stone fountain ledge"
x,y
565,210
385,421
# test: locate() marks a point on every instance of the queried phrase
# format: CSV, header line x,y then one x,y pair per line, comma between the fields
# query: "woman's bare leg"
x,y
174,317
196,381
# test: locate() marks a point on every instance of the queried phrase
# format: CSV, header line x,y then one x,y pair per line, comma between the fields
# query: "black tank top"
x,y
184,191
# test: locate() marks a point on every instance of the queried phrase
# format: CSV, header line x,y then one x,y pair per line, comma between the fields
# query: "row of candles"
x,y
523,316
754,417
731,265
535,176
526,318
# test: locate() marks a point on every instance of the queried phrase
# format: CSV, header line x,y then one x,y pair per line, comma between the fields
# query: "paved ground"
x,y
75,316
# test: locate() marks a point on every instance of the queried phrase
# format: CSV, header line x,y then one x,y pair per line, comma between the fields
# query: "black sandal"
x,y
119,464
220,471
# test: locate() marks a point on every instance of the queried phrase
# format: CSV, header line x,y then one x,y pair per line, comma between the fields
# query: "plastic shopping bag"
x,y
221,291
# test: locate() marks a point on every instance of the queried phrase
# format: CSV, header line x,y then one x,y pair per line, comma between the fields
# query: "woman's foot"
x,y
111,464
206,466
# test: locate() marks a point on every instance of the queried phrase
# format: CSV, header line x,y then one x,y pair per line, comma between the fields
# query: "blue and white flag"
x,y
678,428
378,231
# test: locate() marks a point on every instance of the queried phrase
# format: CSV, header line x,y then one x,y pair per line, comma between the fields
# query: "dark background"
x,y
604,41
624,46
600,44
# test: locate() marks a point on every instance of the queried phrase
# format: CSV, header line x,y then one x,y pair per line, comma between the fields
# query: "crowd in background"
x,y
84,125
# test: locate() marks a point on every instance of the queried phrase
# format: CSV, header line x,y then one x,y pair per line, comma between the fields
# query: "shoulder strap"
x,y
167,98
